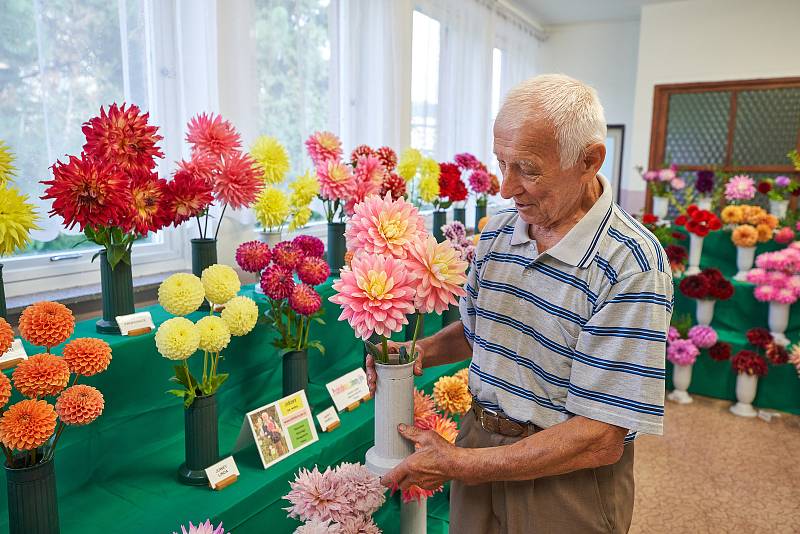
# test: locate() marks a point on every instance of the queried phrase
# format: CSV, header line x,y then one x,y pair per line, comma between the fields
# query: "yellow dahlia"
x,y
410,160
429,168
17,218
744,235
80,405
452,395
240,314
271,208
428,188
214,333
181,293
271,157
300,218
177,338
27,425
305,189
732,214
463,375
220,282
7,169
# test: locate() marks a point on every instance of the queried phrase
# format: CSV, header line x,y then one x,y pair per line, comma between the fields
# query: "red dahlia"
x,y
393,184
764,187
649,218
123,137
695,286
360,151
388,158
749,362
187,196
449,176
202,165
239,180
150,210
721,289
777,354
720,351
759,337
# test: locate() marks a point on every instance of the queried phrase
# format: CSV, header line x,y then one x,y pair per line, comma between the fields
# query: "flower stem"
x,y
205,364
385,349
199,228
219,222
55,440
414,339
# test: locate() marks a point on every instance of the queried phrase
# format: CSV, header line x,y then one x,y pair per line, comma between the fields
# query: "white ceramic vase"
x,y
778,208
744,262
705,311
271,239
681,378
695,252
746,386
414,517
704,203
778,320
394,404
660,207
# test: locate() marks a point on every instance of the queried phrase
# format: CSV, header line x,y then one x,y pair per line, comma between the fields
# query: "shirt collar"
x,y
579,246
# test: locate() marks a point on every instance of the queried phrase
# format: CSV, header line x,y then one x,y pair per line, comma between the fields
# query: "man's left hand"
x,y
429,467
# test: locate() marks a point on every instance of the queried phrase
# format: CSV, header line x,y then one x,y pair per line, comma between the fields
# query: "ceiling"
x,y
551,12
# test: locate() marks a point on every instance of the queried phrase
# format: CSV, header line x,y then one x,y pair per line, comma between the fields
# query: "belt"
x,y
500,424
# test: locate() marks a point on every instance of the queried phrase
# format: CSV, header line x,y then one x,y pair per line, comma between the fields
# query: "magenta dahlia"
x,y
310,245
305,300
277,282
287,254
312,270
253,256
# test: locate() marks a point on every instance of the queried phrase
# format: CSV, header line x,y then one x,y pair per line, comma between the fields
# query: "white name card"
x,y
223,473
135,324
349,389
13,355
328,419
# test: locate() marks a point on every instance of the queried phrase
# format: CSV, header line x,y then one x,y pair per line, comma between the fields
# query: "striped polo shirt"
x,y
579,329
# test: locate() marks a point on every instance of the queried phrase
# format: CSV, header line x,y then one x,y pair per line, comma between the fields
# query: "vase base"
x,y
192,477
741,276
107,327
378,464
780,338
743,410
680,397
692,271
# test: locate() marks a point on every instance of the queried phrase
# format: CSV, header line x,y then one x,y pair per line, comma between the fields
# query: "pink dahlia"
x,y
277,282
364,489
765,293
441,274
212,134
201,166
287,254
784,235
305,300
323,147
757,276
785,295
703,337
336,181
310,245
368,181
740,187
388,158
253,256
682,352
375,293
316,495
466,161
480,182
312,270
673,334
239,180
384,226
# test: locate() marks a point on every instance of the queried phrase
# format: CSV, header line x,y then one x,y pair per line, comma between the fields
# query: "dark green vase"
x,y
3,311
32,499
480,213
439,220
460,215
201,438
451,315
412,323
295,371
117,292
336,247
204,253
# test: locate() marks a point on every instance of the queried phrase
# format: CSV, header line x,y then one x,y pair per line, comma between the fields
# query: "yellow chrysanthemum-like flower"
x,y
732,214
299,218
744,235
410,160
764,232
214,333
429,168
17,219
428,188
177,338
7,169
221,283
240,314
452,395
304,190
271,208
463,375
181,293
271,158
771,221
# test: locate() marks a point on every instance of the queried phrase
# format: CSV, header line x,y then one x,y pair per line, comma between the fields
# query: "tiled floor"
x,y
713,472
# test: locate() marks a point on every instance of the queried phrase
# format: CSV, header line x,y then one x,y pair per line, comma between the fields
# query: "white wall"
x,y
707,40
602,54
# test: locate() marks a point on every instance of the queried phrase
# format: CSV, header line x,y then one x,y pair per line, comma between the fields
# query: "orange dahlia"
x,y
452,395
80,405
5,389
87,356
27,425
123,137
463,375
6,336
150,211
423,406
444,426
46,324
41,375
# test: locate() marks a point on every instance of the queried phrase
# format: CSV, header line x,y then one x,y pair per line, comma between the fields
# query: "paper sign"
x,y
221,472
279,429
13,355
135,323
328,419
349,389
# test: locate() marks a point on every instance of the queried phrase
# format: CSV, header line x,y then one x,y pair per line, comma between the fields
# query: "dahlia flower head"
x,y
313,271
240,315
17,218
703,337
740,187
277,282
316,495
393,185
287,254
668,174
214,333
441,274
466,161
238,182
253,256
122,136
323,147
336,180
480,182
6,336
310,245
682,352
673,334
384,226
271,158
424,406
181,293
452,395
80,405
304,300
202,528
211,134
177,338
272,208
7,168
221,283
27,425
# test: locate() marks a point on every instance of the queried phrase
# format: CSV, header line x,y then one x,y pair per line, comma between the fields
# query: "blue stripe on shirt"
x,y
539,302
613,400
606,267
618,331
488,346
516,390
634,247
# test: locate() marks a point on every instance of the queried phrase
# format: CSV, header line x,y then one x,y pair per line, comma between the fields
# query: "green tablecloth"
x,y
780,389
119,473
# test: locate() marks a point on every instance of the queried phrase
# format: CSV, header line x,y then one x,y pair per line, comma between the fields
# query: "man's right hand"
x,y
372,377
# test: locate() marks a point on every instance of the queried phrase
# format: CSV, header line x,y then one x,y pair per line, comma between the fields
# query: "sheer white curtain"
x,y
520,49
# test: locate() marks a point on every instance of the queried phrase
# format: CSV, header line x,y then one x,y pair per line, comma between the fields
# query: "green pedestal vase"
x,y
336,247
117,292
295,371
201,438
204,253
480,213
3,311
412,323
451,315
439,220
32,499
460,215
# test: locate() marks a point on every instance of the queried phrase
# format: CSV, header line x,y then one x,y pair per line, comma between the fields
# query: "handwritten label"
x,y
221,471
135,322
348,389
328,419
13,355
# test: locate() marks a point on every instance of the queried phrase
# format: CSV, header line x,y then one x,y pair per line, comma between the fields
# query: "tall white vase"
x,y
394,404
778,320
778,208
660,207
704,203
681,378
414,517
744,262
695,252
271,239
746,386
705,311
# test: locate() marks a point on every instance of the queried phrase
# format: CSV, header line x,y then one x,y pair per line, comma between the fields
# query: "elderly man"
x,y
567,310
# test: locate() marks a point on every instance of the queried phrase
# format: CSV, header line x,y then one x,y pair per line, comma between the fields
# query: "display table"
x,y
118,475
780,389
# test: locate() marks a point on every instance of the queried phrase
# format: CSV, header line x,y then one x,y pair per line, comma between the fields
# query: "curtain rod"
x,y
538,30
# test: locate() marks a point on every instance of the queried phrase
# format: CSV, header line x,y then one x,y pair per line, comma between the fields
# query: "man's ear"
x,y
593,158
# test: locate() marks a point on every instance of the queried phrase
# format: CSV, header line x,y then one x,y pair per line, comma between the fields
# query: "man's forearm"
x,y
578,443
448,345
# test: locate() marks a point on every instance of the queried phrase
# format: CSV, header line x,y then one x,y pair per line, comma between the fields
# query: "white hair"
x,y
571,105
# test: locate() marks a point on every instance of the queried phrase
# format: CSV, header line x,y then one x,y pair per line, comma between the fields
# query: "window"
x,y
425,41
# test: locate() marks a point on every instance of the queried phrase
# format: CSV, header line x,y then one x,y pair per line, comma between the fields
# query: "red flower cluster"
x,y
759,337
387,157
764,187
709,284
451,186
777,354
720,351
649,218
123,137
394,184
676,254
360,151
749,362
699,222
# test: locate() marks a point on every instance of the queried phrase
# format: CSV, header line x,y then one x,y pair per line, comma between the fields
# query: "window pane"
x,y
697,128
767,122
424,82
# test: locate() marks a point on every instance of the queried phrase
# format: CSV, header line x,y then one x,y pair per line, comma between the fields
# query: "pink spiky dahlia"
x,y
384,226
239,180
322,147
310,245
480,181
253,256
316,495
305,300
212,134
336,180
388,157
277,282
376,293
313,271
440,271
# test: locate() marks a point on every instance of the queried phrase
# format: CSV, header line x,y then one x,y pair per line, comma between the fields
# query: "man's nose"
x,y
510,187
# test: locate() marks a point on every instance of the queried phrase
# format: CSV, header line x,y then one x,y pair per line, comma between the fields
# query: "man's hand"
x,y
394,347
429,467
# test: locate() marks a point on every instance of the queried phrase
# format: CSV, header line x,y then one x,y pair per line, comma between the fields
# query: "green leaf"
x,y
317,345
189,399
182,377
319,320
178,392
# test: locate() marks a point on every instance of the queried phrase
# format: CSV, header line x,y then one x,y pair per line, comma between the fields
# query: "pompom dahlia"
x,y
27,425
46,324
181,293
305,300
177,338
388,158
744,235
777,354
360,151
376,294
187,196
5,390
41,375
452,395
214,333
384,226
220,282
277,282
122,137
316,495
253,256
323,147
271,158
6,336
240,314
423,406
212,134
703,337
365,492
740,187
784,235
749,362
17,219
682,352
310,245
440,272
336,180
87,356
480,182
150,211
238,182
80,405
313,271
394,185
720,351
287,255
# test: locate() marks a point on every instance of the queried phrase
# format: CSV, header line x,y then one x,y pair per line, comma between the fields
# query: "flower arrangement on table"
x,y
779,188
480,180
698,222
339,500
705,188
178,338
451,188
423,176
739,189
708,284
456,233
387,157
777,275
31,428
203,528
662,182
